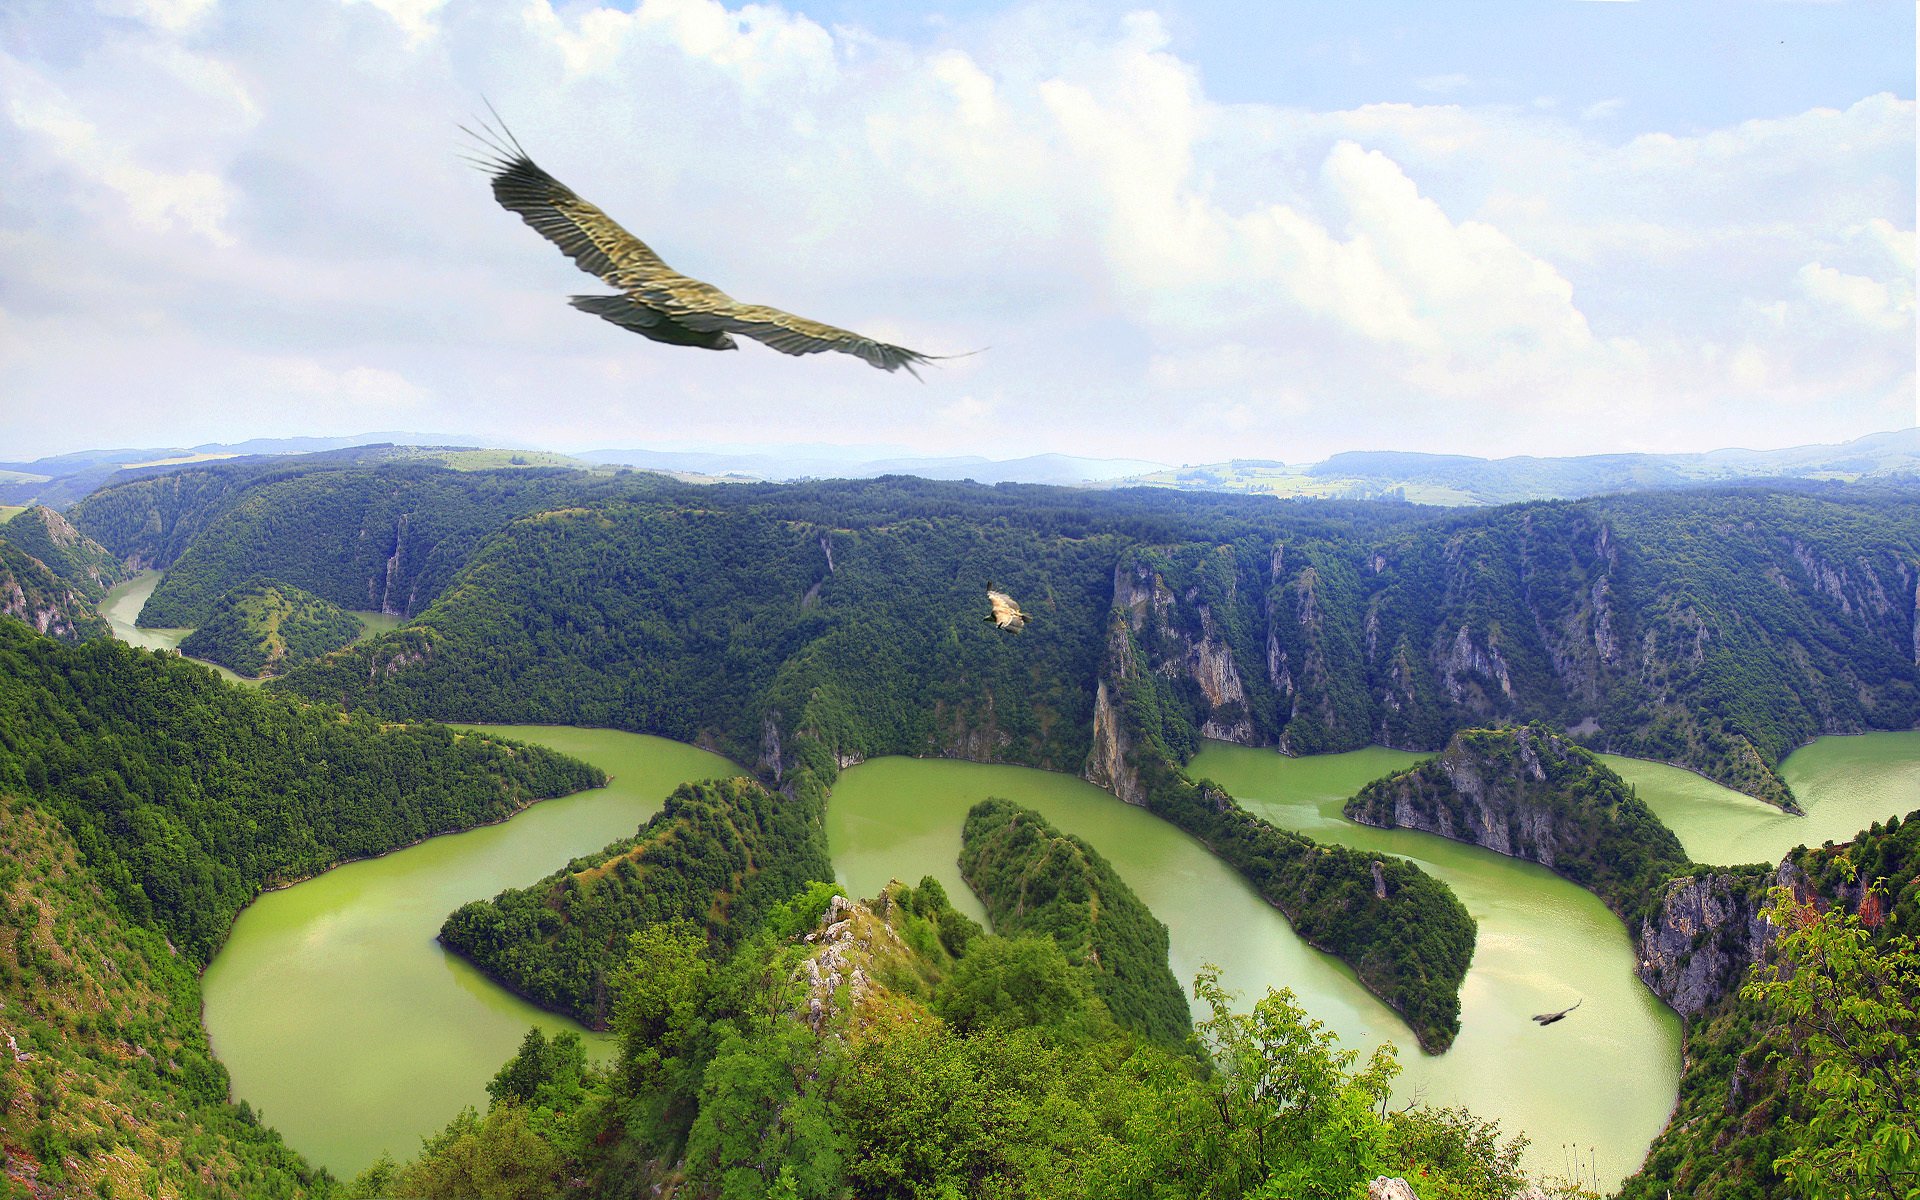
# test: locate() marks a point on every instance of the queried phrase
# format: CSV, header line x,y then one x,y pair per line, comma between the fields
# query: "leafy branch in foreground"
x,y
1852,1027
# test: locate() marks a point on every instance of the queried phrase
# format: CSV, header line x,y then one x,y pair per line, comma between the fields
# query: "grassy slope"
x,y
118,1092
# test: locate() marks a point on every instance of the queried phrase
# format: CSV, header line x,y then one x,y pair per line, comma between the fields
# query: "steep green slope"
x,y
383,537
90,568
1823,1071
885,1049
1530,793
107,1084
187,795
32,594
1715,630
720,855
142,802
1037,881
262,625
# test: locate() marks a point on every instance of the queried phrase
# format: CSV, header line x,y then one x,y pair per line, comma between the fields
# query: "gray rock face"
x,y
1492,813
1708,930
1110,762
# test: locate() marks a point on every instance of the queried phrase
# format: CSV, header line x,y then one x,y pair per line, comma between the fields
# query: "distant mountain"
x,y
61,479
1457,479
1440,479
779,464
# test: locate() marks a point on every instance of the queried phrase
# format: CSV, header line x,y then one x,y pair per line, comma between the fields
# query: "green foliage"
x,y
1717,629
387,537
1015,1083
1540,797
1015,983
262,625
721,853
1411,947
500,1157
1849,1006
34,595
1035,880
1782,1093
110,1077
188,795
82,563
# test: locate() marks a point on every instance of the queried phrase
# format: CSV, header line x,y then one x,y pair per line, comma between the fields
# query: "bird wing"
x,y
1005,611
704,307
593,240
599,246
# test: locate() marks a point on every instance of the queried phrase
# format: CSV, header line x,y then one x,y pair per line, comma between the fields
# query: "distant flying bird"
x,y
1006,614
655,301
1550,1018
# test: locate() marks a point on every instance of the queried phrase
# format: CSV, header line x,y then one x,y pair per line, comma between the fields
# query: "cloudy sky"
x,y
1183,232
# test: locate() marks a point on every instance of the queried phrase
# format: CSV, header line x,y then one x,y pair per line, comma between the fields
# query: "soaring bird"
x,y
654,300
1006,614
1550,1018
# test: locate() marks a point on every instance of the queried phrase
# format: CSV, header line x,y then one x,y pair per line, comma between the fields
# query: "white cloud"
x,y
412,17
159,200
267,206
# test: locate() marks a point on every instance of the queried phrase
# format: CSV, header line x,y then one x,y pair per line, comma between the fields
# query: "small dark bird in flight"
x,y
1006,614
655,300
1550,1018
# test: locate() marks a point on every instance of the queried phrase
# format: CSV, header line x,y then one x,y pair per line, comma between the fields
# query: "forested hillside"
x,y
90,568
1800,1079
34,595
719,855
107,1084
1715,630
262,625
1530,793
385,537
1038,882
892,1048
143,801
188,795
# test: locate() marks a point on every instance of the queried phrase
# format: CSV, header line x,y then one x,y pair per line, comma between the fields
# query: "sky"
x,y
1180,232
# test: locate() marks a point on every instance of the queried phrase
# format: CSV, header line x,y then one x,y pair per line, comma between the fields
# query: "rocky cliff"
x,y
30,592
1530,793
82,563
1705,932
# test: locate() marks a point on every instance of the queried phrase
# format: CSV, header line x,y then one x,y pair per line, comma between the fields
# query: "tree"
x,y
1851,1010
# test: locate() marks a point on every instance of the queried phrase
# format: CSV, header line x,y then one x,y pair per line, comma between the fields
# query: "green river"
x,y
343,1020
121,607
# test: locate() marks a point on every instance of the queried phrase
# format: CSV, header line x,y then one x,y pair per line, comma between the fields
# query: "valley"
x,y
827,639
355,1032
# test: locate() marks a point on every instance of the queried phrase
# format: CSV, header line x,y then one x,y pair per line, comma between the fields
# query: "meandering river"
x,y
121,607
354,1032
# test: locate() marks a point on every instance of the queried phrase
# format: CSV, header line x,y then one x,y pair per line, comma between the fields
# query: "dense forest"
x,y
107,1084
1037,881
720,854
835,621
52,575
1801,1079
187,795
262,625
1530,793
805,627
143,801
85,564
892,1048
1717,629
35,596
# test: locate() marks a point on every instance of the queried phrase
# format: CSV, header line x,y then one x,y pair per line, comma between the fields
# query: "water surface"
x,y
1844,783
121,607
345,1022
